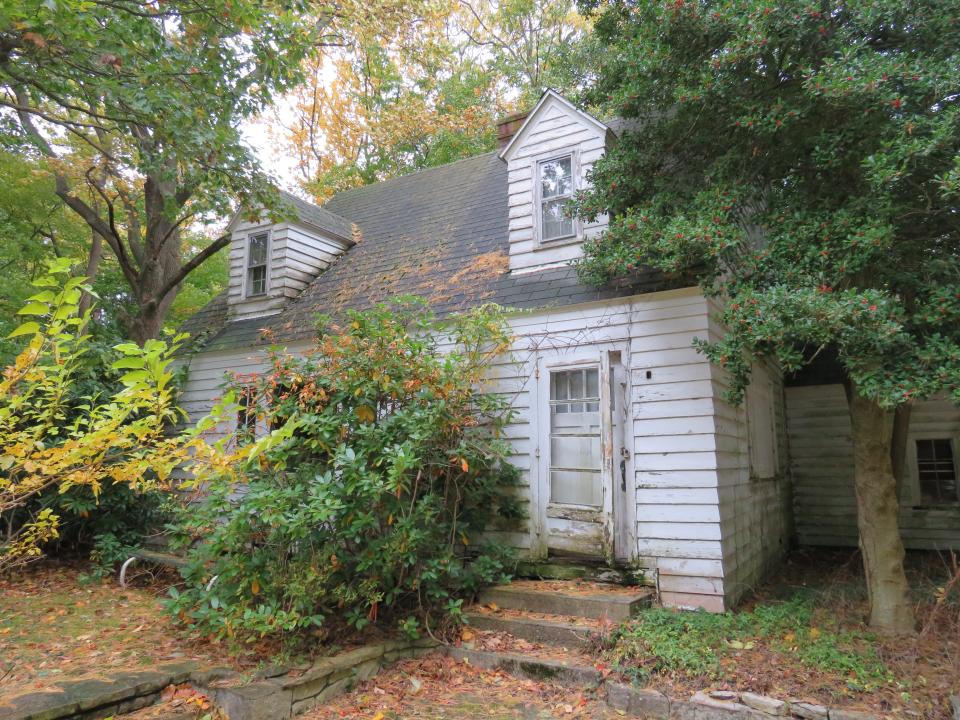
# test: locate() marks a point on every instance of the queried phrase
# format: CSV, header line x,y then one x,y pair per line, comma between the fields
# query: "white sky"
x,y
265,136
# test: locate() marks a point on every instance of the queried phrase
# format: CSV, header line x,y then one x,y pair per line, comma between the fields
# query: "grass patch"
x,y
701,645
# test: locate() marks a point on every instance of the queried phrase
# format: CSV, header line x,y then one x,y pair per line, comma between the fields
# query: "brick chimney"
x,y
507,127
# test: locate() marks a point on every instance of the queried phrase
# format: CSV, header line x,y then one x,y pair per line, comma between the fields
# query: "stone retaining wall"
x,y
89,699
266,698
283,697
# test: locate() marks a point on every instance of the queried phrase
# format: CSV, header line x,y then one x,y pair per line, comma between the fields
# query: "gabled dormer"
x,y
549,157
272,262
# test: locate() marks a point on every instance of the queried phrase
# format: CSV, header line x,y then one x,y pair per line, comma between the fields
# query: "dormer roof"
x,y
549,98
305,213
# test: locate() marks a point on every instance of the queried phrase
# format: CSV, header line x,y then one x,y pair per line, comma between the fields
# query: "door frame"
x,y
618,522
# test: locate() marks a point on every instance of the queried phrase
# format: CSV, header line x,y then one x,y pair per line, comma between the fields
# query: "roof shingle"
x,y
441,234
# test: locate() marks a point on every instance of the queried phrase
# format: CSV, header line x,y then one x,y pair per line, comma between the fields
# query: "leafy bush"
x,y
366,511
669,642
54,440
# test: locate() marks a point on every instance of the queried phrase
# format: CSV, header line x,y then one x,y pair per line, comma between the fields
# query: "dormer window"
x,y
555,182
257,253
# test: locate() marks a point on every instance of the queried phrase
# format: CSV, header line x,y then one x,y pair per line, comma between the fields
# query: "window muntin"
x,y
257,253
575,437
556,189
937,472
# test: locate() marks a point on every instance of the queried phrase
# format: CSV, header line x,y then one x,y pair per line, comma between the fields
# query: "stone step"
x,y
552,631
589,600
566,569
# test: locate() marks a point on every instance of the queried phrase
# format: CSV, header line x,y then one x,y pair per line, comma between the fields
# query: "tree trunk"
x,y
93,267
878,510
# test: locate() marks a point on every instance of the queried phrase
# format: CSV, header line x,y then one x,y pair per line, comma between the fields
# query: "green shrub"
x,y
367,512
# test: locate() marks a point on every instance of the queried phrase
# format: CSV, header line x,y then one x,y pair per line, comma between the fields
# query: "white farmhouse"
x,y
629,453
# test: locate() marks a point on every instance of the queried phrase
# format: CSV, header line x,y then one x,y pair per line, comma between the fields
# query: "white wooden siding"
x,y
688,453
821,448
755,513
554,126
297,256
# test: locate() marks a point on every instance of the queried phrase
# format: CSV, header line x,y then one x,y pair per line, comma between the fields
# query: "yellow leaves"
x,y
365,413
467,635
814,633
464,465
255,586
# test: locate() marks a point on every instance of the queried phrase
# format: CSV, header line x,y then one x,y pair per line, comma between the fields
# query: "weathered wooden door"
x,y
579,453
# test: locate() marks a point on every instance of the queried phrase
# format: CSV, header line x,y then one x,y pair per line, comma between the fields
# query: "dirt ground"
x,y
439,688
53,626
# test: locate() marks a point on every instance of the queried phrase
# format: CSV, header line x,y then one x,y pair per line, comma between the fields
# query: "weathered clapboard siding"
x,y
296,256
821,461
553,126
208,373
677,433
755,512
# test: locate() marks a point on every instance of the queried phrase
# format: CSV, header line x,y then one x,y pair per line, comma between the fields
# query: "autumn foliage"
x,y
365,514
50,439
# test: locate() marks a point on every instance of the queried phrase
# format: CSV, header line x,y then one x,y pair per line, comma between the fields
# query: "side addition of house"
x,y
629,454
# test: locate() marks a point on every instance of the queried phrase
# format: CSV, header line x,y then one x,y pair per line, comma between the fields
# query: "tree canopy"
x,y
136,109
802,159
423,85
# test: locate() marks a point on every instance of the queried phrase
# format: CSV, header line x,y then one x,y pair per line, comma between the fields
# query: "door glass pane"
x,y
575,437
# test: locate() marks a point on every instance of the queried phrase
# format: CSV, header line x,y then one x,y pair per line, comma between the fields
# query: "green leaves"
x,y
28,328
799,162
52,438
383,463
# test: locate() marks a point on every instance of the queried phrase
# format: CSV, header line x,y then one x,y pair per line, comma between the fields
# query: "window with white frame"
x,y
575,437
258,247
937,471
556,187
761,426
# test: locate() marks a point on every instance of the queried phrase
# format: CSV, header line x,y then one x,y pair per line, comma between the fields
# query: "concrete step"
x,y
561,631
578,599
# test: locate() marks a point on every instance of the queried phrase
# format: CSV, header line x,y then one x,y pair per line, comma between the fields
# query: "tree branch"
x,y
194,262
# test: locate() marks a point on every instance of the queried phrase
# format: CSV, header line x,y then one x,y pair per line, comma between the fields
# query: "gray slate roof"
x,y
318,217
440,233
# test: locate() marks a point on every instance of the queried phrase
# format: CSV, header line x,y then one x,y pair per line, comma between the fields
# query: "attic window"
x,y
555,177
937,472
257,247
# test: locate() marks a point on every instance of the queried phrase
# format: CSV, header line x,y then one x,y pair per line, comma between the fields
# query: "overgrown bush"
x,y
59,442
367,512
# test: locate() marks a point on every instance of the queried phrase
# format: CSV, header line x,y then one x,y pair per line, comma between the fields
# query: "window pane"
x,y
257,254
937,471
556,177
257,280
555,223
